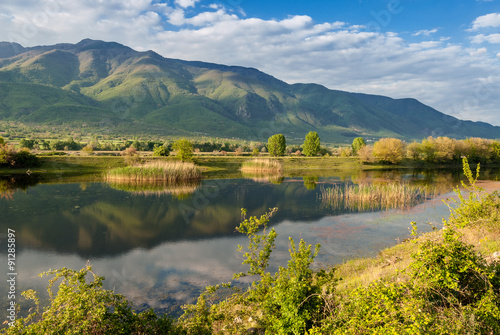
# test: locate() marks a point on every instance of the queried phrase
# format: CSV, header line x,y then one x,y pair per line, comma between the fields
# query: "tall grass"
x,y
375,197
168,172
262,167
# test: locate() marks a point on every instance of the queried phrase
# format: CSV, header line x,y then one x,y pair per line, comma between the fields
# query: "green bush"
x,y
11,157
82,307
160,151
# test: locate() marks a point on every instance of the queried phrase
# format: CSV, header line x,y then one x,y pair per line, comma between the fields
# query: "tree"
x,y
389,150
160,151
183,149
311,144
357,144
88,149
25,143
414,151
276,145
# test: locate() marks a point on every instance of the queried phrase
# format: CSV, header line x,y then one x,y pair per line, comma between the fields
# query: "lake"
x,y
160,248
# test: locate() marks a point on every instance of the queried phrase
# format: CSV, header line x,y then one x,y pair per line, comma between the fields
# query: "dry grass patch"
x,y
157,171
262,167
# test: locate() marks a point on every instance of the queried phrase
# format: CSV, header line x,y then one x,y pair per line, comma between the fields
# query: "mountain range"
x,y
112,88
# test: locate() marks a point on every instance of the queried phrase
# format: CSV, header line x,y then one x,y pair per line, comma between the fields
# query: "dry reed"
x,y
156,171
375,197
262,166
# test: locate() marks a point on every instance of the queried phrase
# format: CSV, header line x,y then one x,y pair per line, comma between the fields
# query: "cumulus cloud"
x,y
186,3
486,21
481,38
295,49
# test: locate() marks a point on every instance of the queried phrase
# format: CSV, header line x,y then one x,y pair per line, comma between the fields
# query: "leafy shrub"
x,y
82,307
287,302
25,159
11,157
88,149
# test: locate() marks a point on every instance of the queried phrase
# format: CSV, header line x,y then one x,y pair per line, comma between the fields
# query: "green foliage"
x,y
287,302
357,144
25,159
82,307
26,143
255,152
13,158
160,151
88,149
2,141
183,150
69,144
276,145
260,246
312,144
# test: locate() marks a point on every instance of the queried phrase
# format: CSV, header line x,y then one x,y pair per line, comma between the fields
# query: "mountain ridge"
x,y
96,83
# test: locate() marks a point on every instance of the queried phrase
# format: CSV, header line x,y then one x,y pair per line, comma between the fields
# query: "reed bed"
x,y
375,197
156,171
259,166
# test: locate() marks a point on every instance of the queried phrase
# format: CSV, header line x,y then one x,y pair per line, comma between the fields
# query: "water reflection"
x,y
180,190
152,241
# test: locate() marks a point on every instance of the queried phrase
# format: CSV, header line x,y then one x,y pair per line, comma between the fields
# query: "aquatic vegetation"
x,y
165,171
366,197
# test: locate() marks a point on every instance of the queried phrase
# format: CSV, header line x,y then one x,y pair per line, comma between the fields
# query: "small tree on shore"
x,y
183,150
276,145
311,144
389,150
357,144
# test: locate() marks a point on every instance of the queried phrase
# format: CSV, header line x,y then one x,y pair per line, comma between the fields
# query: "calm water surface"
x,y
161,248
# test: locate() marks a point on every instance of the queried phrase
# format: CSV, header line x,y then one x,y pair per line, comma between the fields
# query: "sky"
x,y
444,53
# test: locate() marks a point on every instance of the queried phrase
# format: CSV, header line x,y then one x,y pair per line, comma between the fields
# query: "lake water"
x,y
160,248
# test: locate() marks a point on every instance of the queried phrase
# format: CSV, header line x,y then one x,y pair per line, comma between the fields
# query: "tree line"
x,y
435,150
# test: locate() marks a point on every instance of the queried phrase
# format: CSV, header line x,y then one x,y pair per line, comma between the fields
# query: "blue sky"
x,y
444,53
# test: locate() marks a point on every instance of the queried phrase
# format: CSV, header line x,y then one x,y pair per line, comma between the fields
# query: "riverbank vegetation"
x,y
155,171
430,152
443,282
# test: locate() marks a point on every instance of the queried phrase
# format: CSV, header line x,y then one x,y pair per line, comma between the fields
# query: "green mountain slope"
x,y
94,82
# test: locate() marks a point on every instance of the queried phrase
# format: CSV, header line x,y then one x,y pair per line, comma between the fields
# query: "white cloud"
x,y
481,38
295,49
186,3
478,52
426,32
486,21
